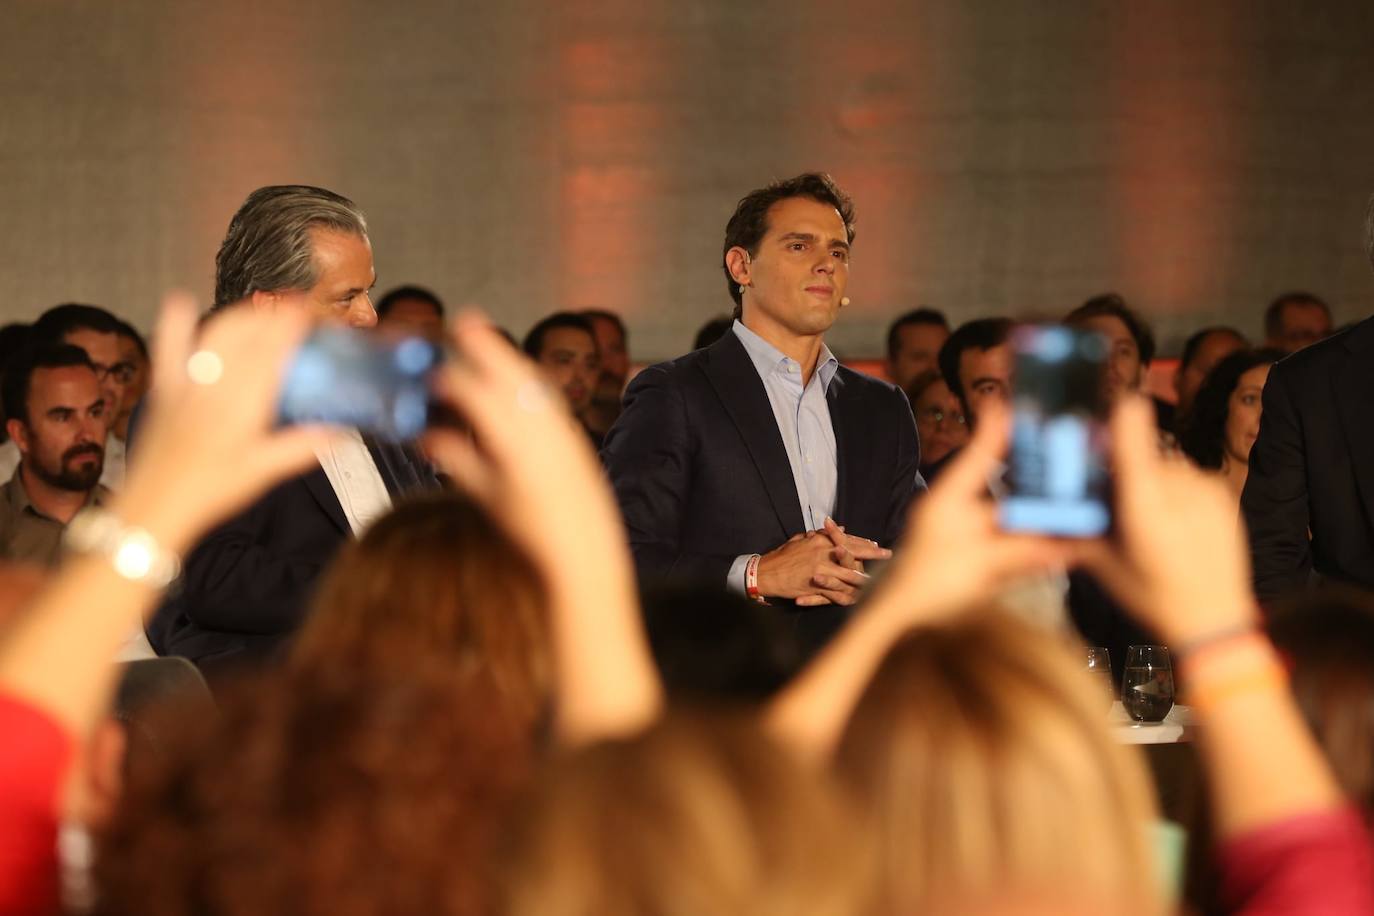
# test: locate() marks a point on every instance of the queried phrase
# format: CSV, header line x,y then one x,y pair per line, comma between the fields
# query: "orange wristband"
x,y
1211,690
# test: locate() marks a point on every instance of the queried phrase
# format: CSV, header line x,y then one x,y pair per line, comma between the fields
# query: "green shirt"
x,y
27,535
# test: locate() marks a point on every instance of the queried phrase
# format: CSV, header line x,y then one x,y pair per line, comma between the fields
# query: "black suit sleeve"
x,y
1275,498
649,455
233,583
907,482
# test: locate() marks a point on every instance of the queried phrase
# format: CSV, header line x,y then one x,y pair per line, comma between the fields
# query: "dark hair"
x,y
608,315
129,332
534,340
268,246
1196,340
1327,637
712,331
60,320
14,337
435,579
749,223
319,792
978,334
1203,437
917,386
1273,315
1114,306
922,315
19,373
418,293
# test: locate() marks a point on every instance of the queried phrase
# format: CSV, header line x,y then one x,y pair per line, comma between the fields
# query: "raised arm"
x,y
532,468
205,451
953,557
1181,565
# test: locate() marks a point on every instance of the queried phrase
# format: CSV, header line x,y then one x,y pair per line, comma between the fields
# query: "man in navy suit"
x,y
760,463
246,587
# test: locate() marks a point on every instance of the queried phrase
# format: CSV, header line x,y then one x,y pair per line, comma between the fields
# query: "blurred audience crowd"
x,y
736,632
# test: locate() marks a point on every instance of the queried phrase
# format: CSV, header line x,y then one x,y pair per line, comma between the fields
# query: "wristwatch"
x,y
133,552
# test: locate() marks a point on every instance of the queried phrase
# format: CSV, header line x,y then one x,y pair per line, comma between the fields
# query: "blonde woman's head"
x,y
695,816
981,752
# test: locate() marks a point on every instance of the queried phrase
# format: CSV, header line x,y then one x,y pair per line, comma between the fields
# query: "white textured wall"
x,y
1197,157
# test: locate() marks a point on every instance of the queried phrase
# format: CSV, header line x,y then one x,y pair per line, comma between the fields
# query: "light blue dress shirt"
x,y
803,417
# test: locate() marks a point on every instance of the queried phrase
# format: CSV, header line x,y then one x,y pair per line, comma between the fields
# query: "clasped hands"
x,y
825,566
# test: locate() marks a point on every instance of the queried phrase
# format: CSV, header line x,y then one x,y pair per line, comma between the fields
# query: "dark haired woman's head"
x,y
322,791
782,237
435,581
1224,421
1328,639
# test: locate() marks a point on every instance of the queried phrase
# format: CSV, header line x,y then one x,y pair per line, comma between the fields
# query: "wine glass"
x,y
1147,690
1100,667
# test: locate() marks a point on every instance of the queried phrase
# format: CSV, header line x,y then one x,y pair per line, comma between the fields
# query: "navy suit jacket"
x,y
701,473
1309,496
248,584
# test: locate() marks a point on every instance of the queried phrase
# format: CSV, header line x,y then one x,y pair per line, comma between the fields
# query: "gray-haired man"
x,y
246,587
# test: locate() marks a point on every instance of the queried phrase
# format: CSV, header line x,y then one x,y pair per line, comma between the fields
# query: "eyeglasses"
x,y
937,416
121,372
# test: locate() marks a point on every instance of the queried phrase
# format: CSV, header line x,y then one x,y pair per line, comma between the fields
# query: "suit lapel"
x,y
851,447
397,473
317,482
741,391
1353,392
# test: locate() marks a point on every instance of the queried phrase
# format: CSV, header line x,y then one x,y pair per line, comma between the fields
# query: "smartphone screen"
x,y
348,377
1057,480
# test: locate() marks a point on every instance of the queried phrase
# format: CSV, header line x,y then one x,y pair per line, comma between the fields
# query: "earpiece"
x,y
844,300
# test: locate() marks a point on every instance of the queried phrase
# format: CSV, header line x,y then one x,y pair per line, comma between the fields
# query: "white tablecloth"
x,y
1177,726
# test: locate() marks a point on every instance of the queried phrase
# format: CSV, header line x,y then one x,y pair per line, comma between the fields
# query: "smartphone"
x,y
1057,480
348,377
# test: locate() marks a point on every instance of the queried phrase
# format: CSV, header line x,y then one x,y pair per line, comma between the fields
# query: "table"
x,y
1177,726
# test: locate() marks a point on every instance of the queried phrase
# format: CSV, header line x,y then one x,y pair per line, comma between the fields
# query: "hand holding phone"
x,y
348,377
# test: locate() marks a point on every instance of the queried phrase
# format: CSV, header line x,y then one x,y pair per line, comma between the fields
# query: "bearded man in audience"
x,y
737,465
246,586
95,331
57,417
1309,497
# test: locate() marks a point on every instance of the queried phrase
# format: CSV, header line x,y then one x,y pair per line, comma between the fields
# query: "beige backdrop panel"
x,y
1005,156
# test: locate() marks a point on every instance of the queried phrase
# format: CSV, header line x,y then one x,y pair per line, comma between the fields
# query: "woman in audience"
x,y
323,791
210,448
435,582
1287,839
1327,638
1225,419
695,815
673,810
369,789
1027,791
940,421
